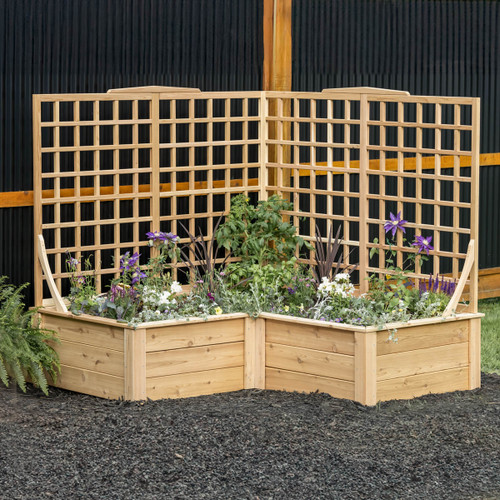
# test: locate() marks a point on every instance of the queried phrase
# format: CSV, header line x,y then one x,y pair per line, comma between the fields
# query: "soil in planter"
x,y
250,445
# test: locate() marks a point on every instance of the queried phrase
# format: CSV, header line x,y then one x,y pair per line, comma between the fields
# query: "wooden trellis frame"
x,y
109,167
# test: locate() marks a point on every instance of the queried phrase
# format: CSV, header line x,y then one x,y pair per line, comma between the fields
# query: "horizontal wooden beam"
x,y
410,164
13,199
25,198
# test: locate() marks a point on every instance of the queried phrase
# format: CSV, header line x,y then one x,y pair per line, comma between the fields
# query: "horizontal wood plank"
x,y
89,382
197,334
422,337
97,359
310,361
195,384
85,332
309,336
403,364
417,385
284,380
191,359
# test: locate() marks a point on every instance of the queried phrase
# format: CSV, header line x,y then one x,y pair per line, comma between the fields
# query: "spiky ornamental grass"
x,y
329,257
24,351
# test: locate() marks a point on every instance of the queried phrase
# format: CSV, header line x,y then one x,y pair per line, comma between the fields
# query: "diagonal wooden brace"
x,y
469,260
44,262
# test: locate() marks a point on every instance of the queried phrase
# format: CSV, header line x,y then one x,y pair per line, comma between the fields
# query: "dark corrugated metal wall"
x,y
51,46
423,46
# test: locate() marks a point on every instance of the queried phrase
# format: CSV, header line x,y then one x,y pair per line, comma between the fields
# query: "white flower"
x,y
218,310
340,286
164,297
325,287
175,287
342,277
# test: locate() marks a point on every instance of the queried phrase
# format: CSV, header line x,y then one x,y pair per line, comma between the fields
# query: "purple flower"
x,y
291,290
124,260
137,275
338,320
133,260
211,297
435,284
171,236
127,262
395,223
423,244
120,292
156,236
72,262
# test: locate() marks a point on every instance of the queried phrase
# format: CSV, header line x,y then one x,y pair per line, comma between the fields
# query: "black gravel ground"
x,y
250,445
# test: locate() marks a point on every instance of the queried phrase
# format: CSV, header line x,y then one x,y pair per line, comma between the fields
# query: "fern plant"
x,y
24,351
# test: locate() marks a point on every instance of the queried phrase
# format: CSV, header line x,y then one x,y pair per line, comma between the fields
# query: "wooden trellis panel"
x,y
110,167
352,156
209,150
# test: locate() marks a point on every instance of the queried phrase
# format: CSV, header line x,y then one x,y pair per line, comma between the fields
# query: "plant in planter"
x,y
258,235
24,352
268,278
283,348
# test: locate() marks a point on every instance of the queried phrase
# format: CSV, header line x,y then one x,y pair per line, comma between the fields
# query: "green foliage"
x,y
82,296
200,256
159,265
24,351
397,292
258,234
490,335
292,280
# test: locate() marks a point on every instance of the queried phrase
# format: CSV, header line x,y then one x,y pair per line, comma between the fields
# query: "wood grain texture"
x,y
90,333
194,359
309,336
195,383
285,380
90,382
310,361
433,359
422,337
194,335
135,365
365,368
474,353
88,357
255,353
413,386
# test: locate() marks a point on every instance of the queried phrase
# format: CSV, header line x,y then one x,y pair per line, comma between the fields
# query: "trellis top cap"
x,y
152,88
366,90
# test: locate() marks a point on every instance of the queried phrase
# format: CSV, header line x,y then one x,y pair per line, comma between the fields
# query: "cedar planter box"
x,y
178,358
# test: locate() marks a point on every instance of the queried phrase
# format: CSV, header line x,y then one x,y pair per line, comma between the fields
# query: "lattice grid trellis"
x,y
110,167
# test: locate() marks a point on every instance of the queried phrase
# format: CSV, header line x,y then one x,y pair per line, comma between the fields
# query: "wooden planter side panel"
x,y
194,360
91,356
424,359
194,335
307,358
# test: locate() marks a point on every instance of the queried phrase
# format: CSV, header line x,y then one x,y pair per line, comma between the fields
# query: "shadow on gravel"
x,y
250,445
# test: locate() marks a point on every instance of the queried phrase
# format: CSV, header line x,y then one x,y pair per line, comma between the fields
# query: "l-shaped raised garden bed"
x,y
109,167
172,359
